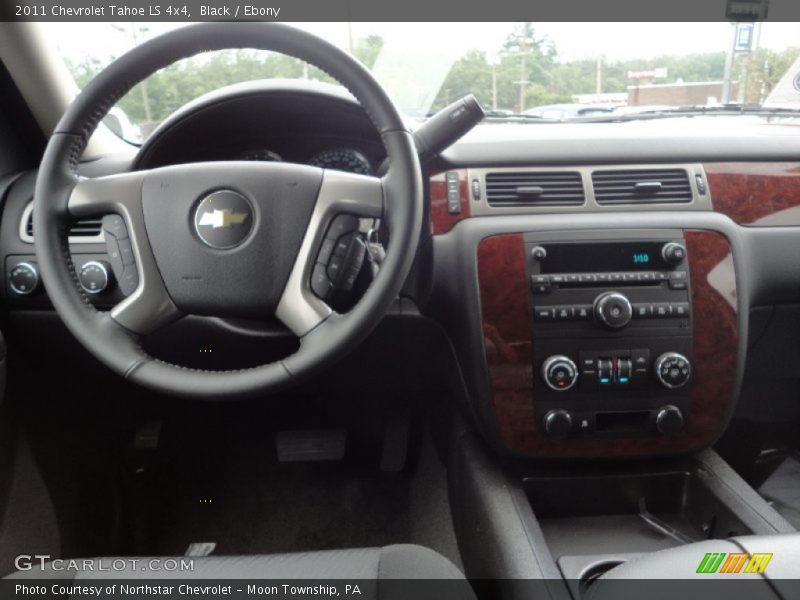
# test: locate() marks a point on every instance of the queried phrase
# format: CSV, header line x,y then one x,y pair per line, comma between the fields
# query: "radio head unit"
x,y
612,337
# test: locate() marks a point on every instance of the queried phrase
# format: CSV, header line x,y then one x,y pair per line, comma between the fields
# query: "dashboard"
x,y
260,121
606,287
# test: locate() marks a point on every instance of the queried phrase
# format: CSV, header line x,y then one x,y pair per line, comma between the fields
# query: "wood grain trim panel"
x,y
443,221
507,337
509,352
760,194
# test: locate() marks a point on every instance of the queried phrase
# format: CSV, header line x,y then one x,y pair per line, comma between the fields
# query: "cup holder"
x,y
594,572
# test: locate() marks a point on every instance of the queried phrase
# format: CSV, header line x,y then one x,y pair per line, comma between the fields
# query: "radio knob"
x,y
558,422
669,420
613,309
673,370
673,253
538,253
559,373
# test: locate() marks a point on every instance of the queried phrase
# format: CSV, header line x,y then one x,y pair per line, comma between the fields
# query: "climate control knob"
x,y
559,373
672,369
95,277
613,310
24,279
669,419
558,422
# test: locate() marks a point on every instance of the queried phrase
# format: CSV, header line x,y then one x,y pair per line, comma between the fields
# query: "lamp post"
x,y
133,32
494,61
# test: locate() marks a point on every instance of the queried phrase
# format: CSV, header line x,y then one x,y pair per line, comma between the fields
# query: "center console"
x,y
609,342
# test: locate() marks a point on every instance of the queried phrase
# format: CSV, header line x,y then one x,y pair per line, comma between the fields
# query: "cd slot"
x,y
593,284
613,278
544,283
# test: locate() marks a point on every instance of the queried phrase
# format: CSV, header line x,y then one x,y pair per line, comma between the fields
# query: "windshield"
x,y
543,72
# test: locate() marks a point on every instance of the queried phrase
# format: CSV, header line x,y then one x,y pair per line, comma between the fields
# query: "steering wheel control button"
x,y
673,370
353,261
129,280
24,279
340,257
120,254
559,373
344,268
342,244
326,250
613,310
342,225
335,267
320,284
224,219
126,252
115,225
95,277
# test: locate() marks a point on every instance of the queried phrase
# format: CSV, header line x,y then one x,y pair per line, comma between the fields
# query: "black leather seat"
x,y
375,568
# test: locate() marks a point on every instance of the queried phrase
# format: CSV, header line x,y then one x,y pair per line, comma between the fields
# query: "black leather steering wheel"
x,y
263,272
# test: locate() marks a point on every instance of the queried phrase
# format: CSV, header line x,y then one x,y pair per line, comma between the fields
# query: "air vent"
x,y
88,230
642,186
534,188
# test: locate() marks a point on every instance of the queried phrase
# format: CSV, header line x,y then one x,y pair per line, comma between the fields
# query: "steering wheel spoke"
x,y
343,197
118,199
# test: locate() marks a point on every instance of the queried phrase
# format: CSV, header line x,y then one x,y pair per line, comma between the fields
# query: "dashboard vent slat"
x,y
531,188
88,228
642,186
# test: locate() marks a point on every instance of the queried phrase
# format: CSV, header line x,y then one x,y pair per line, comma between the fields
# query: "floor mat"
x,y
782,490
240,497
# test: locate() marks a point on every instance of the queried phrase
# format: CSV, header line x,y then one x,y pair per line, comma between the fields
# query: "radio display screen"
x,y
602,257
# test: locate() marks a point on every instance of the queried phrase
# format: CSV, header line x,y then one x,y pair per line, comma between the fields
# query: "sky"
x,y
615,41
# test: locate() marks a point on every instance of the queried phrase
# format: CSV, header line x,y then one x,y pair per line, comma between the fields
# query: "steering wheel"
x,y
231,239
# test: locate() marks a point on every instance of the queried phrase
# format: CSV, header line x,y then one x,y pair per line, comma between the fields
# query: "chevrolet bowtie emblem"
x,y
221,218
224,219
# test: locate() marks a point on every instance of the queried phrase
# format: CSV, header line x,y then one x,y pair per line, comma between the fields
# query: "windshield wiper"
x,y
695,111
515,116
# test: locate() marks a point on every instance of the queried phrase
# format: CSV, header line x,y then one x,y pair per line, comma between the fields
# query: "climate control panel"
x,y
615,370
95,274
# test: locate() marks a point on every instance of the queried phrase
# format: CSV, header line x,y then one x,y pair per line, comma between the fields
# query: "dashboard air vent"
x,y
89,228
534,188
642,186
